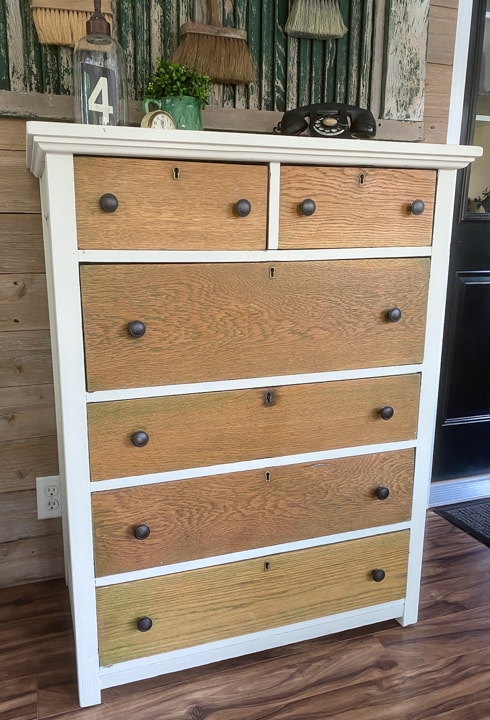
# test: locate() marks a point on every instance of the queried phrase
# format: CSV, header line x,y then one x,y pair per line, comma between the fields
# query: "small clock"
x,y
159,120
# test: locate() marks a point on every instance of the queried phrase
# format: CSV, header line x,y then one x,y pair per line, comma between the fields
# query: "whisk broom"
x,y
315,19
64,22
222,53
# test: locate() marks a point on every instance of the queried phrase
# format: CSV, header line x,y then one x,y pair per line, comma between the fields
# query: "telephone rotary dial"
x,y
328,120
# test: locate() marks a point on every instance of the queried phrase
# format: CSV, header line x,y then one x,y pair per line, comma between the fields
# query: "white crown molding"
x,y
70,138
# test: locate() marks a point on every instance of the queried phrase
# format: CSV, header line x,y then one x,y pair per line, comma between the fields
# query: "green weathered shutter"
x,y
289,72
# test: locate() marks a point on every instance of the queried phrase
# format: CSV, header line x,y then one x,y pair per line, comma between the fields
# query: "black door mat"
x,y
472,517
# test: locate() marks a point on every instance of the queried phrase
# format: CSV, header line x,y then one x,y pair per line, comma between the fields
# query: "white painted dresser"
x,y
246,335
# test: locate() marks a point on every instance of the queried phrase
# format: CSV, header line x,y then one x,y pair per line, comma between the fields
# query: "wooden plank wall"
x,y
440,51
31,549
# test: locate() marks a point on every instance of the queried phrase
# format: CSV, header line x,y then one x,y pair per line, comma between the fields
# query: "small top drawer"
x,y
170,205
327,207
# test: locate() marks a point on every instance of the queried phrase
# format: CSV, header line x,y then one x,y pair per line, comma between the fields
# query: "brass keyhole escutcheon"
x,y
272,272
267,566
361,179
176,173
267,476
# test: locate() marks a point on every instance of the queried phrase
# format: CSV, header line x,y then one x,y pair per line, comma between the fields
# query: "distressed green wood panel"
x,y
280,65
36,76
15,45
354,36
4,66
367,52
289,71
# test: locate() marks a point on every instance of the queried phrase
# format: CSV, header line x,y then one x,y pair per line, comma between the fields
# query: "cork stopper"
x,y
98,25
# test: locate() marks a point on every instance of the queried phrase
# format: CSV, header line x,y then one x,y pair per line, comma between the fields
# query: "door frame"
x,y
447,492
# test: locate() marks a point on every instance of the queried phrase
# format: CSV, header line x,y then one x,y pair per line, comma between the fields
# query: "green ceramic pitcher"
x,y
185,110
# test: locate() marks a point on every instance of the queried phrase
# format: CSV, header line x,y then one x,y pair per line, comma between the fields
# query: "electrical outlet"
x,y
48,493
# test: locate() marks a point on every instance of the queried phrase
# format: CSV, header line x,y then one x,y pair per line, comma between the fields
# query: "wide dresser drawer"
x,y
199,606
331,207
147,325
172,522
149,435
167,205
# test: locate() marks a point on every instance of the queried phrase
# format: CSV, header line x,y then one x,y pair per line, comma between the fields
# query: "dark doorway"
x,y
462,445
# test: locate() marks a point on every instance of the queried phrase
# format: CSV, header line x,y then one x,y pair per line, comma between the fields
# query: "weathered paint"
x,y
289,71
367,53
405,59
15,45
4,66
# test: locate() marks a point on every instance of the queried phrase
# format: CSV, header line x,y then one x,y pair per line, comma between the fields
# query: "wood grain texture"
x,y
435,129
227,513
435,640
18,699
23,302
157,211
329,677
445,3
438,84
24,460
19,518
19,189
440,54
21,243
30,559
223,601
25,358
27,412
217,322
230,426
442,34
12,134
349,213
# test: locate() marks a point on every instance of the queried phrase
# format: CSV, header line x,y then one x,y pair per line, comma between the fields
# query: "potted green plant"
x,y
180,90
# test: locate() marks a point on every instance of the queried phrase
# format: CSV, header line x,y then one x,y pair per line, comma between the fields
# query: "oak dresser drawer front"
x,y
199,606
327,207
149,435
154,525
148,325
170,205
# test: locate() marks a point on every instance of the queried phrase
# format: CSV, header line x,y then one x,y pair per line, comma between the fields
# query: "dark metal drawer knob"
x,y
307,207
144,624
243,208
140,438
393,315
378,575
109,203
417,207
382,493
387,412
136,328
141,532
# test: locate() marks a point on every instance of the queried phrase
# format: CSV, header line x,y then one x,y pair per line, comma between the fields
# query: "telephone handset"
x,y
329,120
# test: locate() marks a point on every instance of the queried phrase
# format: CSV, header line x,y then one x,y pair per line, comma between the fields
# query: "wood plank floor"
x,y
436,669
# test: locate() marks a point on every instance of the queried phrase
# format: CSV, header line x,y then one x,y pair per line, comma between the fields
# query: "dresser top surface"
x,y
45,138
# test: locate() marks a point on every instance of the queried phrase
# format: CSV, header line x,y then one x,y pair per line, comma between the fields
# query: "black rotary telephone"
x,y
328,120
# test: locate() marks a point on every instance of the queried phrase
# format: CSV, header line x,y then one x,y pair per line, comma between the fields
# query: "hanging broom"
x,y
222,53
315,19
64,22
